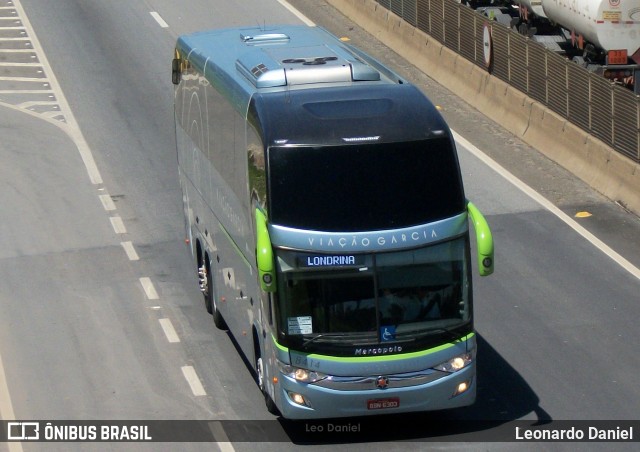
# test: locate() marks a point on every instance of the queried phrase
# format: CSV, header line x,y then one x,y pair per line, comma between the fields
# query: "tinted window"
x,y
407,297
365,186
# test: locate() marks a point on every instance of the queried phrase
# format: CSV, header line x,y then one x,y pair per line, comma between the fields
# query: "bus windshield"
x,y
364,187
333,303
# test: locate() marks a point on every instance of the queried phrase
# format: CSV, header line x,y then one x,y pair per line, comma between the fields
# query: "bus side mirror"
x,y
175,71
484,240
264,254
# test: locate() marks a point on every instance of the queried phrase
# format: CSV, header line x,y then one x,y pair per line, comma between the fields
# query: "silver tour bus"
x,y
326,216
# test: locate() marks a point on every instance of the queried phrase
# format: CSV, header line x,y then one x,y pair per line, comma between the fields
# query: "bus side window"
x,y
257,176
257,173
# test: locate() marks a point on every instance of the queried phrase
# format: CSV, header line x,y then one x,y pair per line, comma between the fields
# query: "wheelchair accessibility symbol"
x,y
388,333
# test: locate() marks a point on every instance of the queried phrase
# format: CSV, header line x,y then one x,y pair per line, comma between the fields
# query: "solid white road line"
x,y
23,79
194,381
71,128
297,13
169,330
149,289
159,19
6,408
20,65
544,202
624,263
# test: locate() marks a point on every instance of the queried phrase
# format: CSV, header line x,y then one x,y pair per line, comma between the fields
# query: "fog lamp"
x,y
298,398
462,387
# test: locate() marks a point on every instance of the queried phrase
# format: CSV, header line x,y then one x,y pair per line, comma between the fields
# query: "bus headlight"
x,y
301,375
456,363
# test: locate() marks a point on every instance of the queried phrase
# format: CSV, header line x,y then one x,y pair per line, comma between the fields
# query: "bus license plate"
x,y
381,404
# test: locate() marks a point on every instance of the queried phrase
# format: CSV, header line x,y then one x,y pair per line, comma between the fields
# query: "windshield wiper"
x,y
453,335
450,333
321,335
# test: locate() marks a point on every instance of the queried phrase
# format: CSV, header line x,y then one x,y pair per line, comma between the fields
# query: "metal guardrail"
x,y
605,110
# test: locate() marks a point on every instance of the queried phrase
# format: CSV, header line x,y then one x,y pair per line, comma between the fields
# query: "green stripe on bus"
x,y
377,358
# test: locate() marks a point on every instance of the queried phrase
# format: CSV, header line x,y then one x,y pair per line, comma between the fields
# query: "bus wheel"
x,y
271,405
210,302
205,287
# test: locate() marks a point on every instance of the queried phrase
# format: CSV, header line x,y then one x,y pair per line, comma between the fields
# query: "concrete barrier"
x,y
604,169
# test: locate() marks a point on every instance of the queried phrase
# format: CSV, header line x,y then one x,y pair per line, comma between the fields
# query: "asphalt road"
x,y
89,331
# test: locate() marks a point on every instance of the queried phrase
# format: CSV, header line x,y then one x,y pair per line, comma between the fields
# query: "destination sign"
x,y
323,260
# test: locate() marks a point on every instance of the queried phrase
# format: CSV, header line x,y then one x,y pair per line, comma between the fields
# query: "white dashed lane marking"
x,y
149,288
130,251
107,202
118,225
169,330
194,381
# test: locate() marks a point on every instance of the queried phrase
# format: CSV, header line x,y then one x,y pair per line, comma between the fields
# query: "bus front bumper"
x,y
311,401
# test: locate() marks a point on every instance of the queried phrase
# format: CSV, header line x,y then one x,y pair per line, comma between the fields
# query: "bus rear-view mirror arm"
x,y
264,254
484,240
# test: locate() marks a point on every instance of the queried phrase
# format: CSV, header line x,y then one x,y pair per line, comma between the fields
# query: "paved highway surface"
x,y
100,316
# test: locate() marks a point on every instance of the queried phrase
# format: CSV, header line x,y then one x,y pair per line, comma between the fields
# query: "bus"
x,y
325,213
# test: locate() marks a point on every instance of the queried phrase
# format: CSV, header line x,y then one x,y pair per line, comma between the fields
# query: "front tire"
x,y
271,405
